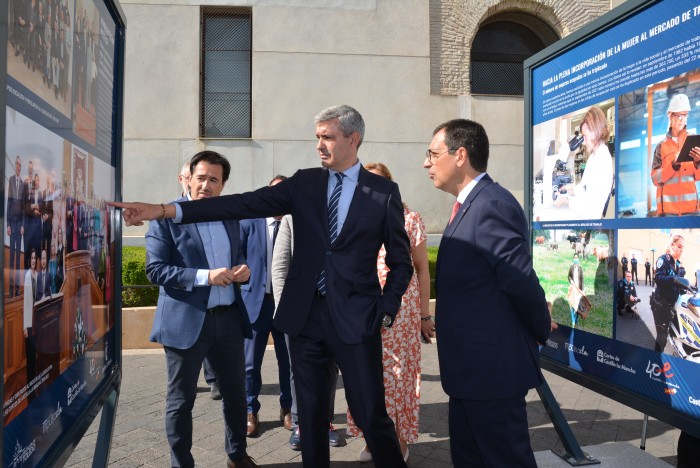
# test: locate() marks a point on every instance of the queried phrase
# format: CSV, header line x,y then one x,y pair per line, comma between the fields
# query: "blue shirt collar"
x,y
352,173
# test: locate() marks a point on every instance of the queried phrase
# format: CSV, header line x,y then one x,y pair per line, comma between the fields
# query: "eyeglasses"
x,y
432,157
679,115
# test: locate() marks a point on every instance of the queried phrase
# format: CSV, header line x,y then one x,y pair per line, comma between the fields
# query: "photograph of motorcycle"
x,y
683,327
675,305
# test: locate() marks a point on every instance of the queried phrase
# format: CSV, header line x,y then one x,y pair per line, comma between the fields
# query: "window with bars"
x,y
499,49
226,73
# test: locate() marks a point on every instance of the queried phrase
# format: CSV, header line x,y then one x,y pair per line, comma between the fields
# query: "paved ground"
x,y
139,437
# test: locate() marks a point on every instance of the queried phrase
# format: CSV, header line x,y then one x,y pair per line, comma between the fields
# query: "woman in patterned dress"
x,y
401,343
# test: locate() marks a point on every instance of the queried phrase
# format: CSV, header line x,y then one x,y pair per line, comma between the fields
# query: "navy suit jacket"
x,y
174,253
356,301
490,308
254,246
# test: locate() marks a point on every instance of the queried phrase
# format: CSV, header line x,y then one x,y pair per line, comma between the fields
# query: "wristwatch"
x,y
387,321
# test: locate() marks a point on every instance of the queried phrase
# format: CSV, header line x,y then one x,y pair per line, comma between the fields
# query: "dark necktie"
x,y
332,224
275,230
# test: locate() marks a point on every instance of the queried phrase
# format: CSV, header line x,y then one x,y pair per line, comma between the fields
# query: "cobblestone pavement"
x,y
139,434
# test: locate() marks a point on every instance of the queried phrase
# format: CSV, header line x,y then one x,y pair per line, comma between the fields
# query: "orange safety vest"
x,y
675,190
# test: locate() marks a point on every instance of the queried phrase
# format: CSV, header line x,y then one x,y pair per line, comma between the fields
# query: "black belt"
x,y
319,294
220,308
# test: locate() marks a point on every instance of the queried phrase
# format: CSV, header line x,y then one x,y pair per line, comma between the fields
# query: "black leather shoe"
x,y
214,392
245,462
295,439
334,437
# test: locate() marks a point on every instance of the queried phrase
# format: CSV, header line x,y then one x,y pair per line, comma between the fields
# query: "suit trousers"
x,y
221,341
487,433
332,388
209,375
255,352
313,352
15,247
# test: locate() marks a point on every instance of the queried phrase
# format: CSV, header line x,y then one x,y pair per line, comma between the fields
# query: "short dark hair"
x,y
470,135
279,177
212,157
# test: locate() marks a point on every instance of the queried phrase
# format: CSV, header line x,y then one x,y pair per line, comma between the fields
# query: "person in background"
x,y
43,280
15,224
647,272
258,238
633,269
401,343
281,259
184,179
624,262
576,280
30,286
626,295
676,192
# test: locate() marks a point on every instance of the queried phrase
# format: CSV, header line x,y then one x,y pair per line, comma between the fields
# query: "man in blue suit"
x,y
201,313
491,310
257,239
332,305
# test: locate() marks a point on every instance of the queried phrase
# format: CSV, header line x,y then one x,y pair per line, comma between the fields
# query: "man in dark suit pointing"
x,y
491,309
332,305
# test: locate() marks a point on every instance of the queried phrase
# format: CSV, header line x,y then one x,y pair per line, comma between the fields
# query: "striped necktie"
x,y
332,224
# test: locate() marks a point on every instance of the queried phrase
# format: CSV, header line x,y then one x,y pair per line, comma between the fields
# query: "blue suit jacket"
x,y
356,301
174,253
254,246
490,308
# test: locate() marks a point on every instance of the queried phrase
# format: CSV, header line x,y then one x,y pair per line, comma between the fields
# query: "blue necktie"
x,y
332,225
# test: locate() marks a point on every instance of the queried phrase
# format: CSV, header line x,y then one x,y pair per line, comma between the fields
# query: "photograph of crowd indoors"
x,y
85,49
665,315
654,124
576,271
40,48
58,249
573,165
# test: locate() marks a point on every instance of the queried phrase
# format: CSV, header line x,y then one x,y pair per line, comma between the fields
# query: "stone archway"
x,y
454,23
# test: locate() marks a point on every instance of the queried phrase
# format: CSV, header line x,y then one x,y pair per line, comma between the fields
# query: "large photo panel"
x,y
62,136
619,263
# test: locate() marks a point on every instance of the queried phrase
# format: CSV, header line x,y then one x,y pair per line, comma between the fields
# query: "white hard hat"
x,y
679,103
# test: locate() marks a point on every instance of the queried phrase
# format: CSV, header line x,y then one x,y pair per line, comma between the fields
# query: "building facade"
x,y
406,65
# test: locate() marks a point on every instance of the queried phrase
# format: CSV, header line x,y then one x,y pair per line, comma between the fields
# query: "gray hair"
x,y
350,120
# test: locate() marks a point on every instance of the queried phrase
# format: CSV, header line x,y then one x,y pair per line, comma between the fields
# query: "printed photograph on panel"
x,y
573,165
34,265
39,50
576,271
659,157
86,50
58,259
661,310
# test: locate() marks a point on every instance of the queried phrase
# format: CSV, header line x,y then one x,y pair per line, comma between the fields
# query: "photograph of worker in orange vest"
x,y
676,192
